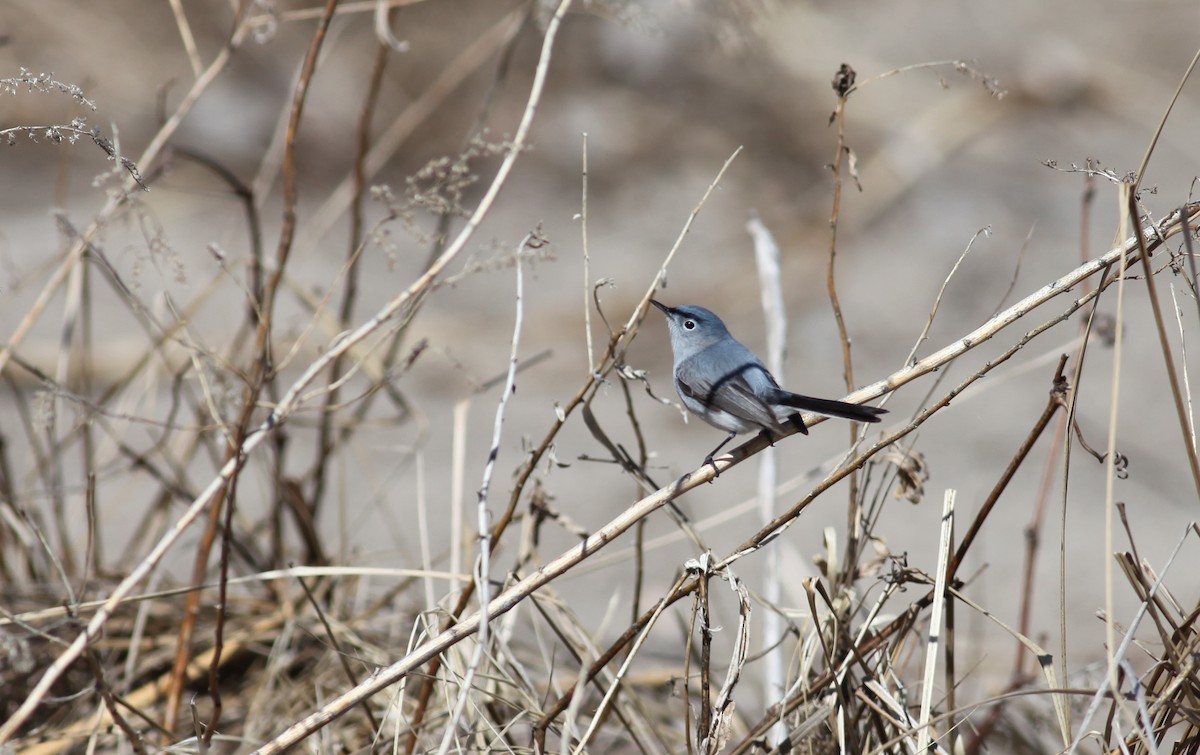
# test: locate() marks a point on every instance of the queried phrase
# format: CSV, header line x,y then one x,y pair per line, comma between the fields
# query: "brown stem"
x,y
1176,393
702,605
325,434
843,83
261,372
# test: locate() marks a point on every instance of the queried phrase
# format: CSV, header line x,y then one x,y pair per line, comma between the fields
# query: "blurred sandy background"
x,y
666,91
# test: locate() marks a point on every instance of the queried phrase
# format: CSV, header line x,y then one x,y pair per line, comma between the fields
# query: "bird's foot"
x,y
716,472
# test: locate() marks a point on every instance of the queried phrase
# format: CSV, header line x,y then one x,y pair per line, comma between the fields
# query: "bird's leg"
x,y
709,459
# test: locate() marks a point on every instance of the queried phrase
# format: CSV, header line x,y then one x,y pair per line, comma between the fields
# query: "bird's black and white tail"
x,y
829,407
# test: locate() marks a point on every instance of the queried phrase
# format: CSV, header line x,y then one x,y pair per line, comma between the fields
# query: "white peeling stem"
x,y
766,256
933,645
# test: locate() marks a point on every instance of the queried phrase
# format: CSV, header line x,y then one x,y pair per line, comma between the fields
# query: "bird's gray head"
x,y
692,328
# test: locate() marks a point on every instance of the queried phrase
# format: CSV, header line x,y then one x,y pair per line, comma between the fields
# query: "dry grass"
x,y
202,622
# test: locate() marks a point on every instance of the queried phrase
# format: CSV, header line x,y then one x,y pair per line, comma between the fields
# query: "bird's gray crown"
x,y
692,328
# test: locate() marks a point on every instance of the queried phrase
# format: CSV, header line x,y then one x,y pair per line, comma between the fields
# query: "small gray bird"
x,y
727,386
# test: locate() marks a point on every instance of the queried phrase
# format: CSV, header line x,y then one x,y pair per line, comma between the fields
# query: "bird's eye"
x,y
689,324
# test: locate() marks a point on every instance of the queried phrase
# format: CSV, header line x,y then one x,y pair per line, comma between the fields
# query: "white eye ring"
x,y
689,324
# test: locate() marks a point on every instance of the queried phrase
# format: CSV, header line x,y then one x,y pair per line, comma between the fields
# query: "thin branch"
x,y
483,572
1181,409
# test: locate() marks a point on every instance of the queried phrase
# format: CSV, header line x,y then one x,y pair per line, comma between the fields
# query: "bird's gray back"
x,y
728,378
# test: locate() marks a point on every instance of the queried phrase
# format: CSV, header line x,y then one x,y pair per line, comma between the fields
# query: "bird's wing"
x,y
728,385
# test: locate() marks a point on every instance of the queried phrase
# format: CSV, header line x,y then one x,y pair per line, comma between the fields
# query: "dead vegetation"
x,y
171,581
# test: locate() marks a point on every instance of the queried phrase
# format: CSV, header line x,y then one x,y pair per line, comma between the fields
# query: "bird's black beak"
x,y
665,309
